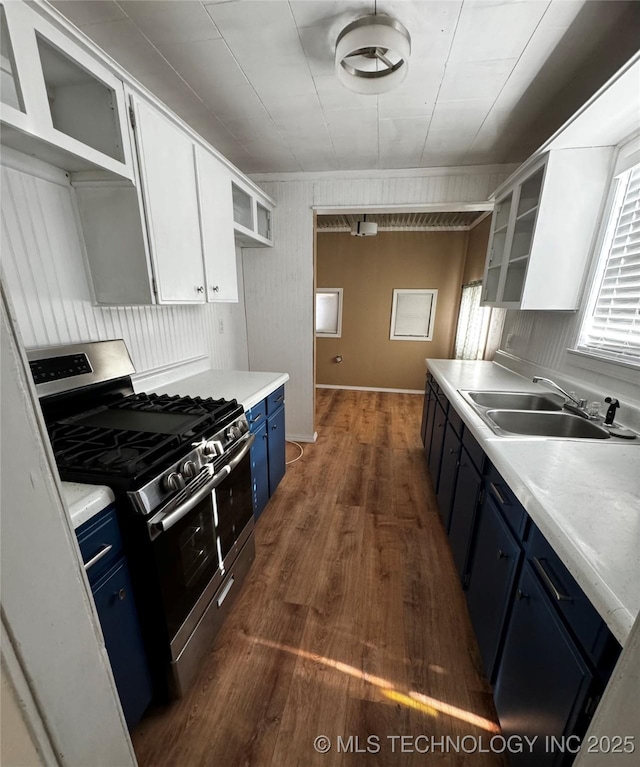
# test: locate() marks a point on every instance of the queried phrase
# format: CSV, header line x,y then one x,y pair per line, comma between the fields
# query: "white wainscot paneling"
x,y
43,265
226,329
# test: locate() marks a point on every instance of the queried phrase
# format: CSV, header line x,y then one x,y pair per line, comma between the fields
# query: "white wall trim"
x,y
454,170
370,388
38,168
168,374
304,438
481,218
434,207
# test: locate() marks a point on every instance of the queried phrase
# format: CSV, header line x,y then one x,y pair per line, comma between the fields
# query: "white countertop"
x,y
85,501
583,495
248,387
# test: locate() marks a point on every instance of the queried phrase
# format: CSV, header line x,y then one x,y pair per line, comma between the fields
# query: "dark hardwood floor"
x,y
351,623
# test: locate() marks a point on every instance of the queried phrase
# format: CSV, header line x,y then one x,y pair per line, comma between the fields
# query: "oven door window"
x,y
235,506
186,559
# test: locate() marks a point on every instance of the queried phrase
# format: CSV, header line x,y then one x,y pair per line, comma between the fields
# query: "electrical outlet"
x,y
220,325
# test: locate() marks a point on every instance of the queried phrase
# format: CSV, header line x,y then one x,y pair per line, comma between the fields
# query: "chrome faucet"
x,y
579,404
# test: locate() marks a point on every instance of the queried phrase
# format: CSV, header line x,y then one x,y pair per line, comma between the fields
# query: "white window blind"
x,y
413,315
612,323
329,312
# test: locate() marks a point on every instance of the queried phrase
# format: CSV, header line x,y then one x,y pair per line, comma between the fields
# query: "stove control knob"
x,y
213,448
189,469
233,432
173,481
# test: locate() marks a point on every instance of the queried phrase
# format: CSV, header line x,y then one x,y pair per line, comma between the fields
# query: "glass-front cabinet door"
x,y
59,103
497,247
510,245
264,221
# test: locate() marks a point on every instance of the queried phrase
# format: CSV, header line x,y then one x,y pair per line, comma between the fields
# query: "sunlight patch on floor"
x,y
411,699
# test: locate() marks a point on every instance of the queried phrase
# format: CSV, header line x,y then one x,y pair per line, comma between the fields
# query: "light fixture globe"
x,y
372,54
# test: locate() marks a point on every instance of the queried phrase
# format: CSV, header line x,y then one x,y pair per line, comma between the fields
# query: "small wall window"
x,y
413,315
329,312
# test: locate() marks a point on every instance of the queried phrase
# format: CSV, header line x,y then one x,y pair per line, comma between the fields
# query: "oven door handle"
x,y
249,439
167,521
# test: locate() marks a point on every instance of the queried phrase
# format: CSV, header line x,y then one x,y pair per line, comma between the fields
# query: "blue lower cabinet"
x,y
106,567
437,442
448,474
463,513
493,572
276,447
543,683
260,470
266,421
113,596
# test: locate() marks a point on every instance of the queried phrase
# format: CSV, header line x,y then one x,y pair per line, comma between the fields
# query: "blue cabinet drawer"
x,y
455,421
476,453
257,415
567,597
100,543
512,510
275,400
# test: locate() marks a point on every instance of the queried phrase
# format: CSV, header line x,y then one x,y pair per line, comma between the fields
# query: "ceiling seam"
x,y
173,69
453,37
508,78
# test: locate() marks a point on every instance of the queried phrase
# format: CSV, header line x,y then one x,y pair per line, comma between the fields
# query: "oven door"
x,y
188,546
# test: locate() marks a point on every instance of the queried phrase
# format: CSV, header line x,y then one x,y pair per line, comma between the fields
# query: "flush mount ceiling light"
x,y
364,228
372,54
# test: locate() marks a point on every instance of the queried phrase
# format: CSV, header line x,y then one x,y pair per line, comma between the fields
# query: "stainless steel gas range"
x,y
181,472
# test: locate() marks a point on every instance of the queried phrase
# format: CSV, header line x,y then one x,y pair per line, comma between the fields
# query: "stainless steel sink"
x,y
544,424
515,400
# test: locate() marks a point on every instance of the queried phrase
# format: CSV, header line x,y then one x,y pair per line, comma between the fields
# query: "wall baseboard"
x,y
370,388
305,438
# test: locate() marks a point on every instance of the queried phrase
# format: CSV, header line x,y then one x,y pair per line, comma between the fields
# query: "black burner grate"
x,y
166,403
109,451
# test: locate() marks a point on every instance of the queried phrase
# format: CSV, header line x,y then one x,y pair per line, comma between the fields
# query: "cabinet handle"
x,y
521,595
452,450
122,595
275,426
280,398
497,494
215,288
199,289
256,419
560,597
100,555
502,555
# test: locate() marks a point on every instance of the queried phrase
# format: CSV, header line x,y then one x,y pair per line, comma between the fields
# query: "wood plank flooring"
x,y
351,623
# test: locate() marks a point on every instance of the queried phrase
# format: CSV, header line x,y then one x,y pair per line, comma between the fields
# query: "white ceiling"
x,y
487,79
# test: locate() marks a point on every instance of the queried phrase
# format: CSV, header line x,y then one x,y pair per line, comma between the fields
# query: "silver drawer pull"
x,y
498,495
97,557
257,418
225,591
550,584
501,555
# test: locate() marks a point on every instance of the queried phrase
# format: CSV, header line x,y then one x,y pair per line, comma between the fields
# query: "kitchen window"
x,y
329,312
611,325
413,315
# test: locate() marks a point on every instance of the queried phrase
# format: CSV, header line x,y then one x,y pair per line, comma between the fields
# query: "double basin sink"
x,y
511,413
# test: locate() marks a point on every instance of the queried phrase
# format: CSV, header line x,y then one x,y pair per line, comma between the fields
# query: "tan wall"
x,y
476,251
368,269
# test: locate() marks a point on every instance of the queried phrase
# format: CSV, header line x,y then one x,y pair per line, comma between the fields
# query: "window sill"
x,y
624,371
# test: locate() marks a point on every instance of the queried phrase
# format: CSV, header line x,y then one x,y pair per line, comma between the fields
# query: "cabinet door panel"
x,y
493,572
260,470
463,511
169,188
542,681
216,220
448,473
119,621
437,440
428,431
276,445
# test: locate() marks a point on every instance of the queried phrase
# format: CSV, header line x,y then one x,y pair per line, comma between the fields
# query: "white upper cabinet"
x,y
168,181
216,226
58,102
251,217
542,230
